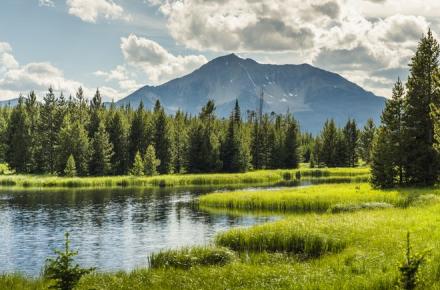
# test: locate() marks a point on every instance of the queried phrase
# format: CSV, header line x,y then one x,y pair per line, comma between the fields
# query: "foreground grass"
x,y
254,177
319,198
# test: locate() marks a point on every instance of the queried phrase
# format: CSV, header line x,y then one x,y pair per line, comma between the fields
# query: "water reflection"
x,y
113,229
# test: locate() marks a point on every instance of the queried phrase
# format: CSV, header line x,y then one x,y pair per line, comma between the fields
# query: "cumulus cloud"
x,y
159,64
7,60
46,3
91,11
247,25
352,37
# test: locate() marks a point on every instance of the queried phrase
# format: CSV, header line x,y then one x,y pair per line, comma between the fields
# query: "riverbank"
x,y
254,177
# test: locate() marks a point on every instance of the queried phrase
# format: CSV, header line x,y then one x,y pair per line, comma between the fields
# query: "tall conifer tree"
x,y
422,92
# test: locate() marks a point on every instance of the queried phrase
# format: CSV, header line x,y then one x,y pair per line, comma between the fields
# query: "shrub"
x,y
186,258
410,267
62,269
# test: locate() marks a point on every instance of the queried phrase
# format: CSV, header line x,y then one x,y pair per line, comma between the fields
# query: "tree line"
x,y
406,146
73,136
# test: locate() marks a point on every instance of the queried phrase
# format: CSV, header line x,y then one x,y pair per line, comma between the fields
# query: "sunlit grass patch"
x,y
319,198
186,258
253,177
281,237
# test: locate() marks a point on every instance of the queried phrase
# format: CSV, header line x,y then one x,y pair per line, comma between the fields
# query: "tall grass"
x,y
254,177
186,258
319,198
281,237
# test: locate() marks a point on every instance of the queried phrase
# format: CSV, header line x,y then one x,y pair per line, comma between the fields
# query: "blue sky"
x,y
120,46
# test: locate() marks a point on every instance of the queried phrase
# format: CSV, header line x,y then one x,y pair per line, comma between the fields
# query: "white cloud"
x,y
46,3
123,77
156,61
351,37
16,79
92,10
7,60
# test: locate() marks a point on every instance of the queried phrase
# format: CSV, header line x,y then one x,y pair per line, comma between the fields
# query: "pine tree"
x,y
278,142
137,137
422,91
118,134
150,161
366,141
235,151
33,112
383,171
81,114
256,146
315,159
3,138
96,111
340,150
329,137
162,140
70,170
180,136
73,141
392,120
101,153
204,145
351,136
137,168
48,133
292,143
18,154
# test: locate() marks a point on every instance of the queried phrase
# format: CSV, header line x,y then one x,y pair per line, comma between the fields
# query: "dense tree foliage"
x,y
75,137
336,146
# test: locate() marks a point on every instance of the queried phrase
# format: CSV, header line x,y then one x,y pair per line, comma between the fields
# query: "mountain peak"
x,y
312,95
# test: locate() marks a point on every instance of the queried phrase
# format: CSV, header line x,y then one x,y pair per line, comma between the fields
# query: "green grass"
x,y
374,245
186,258
254,177
306,241
319,198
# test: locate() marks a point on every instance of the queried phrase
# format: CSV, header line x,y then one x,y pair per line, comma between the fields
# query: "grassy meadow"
x,y
329,236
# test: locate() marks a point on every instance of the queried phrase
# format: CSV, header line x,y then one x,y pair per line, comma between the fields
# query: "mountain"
x,y
311,94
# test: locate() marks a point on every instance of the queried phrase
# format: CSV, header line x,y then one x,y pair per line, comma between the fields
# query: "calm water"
x,y
113,229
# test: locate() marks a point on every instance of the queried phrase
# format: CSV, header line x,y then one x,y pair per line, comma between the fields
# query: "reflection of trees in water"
x,y
97,208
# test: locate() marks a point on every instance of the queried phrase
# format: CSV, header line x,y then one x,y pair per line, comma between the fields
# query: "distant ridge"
x,y
10,102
